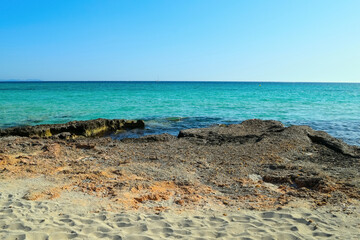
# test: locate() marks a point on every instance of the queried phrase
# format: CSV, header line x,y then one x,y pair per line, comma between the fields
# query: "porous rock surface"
x,y
260,132
256,164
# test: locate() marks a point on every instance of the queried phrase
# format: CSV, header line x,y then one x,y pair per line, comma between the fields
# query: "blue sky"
x,y
179,40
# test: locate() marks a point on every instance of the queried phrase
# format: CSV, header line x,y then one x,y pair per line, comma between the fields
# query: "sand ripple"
x,y
41,220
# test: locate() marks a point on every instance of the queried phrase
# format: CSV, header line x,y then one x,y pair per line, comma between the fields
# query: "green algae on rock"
x,y
74,129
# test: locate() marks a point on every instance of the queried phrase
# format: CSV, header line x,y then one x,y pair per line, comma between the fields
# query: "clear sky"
x,y
180,40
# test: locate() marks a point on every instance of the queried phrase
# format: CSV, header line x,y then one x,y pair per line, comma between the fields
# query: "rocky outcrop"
x,y
256,164
97,127
268,133
337,145
249,131
307,162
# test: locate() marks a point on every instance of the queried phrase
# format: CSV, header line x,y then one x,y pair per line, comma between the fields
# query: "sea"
x,y
168,107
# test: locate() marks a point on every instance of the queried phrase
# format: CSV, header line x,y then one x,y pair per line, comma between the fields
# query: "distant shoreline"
x,y
152,81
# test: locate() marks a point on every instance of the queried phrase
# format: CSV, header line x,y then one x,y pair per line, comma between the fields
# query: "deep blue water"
x,y
171,106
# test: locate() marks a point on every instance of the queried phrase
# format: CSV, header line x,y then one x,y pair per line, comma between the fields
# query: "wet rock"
x,y
74,129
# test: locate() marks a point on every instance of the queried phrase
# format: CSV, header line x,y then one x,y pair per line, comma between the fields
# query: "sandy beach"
x,y
80,216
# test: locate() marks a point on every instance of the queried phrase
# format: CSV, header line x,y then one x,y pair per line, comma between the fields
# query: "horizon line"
x,y
169,81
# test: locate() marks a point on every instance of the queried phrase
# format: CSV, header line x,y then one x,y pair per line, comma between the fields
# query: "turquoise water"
x,y
170,106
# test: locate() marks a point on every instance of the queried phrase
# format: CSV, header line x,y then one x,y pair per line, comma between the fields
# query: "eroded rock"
x,y
74,129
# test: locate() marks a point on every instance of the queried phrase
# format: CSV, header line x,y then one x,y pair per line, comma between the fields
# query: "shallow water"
x,y
171,106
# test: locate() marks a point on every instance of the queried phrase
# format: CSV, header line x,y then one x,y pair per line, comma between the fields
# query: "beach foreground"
x,y
80,216
258,179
